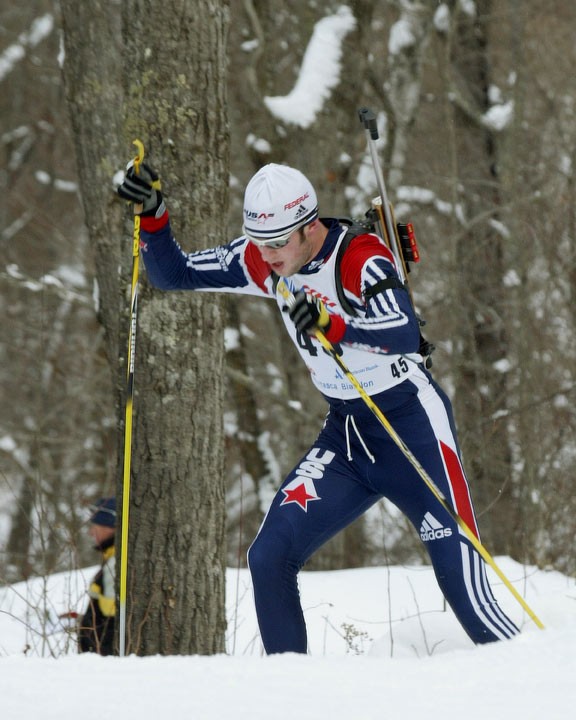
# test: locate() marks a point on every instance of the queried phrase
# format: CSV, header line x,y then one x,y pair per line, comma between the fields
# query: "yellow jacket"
x,y
102,587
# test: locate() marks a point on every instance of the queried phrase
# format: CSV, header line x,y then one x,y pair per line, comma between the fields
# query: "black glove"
x,y
308,312
142,188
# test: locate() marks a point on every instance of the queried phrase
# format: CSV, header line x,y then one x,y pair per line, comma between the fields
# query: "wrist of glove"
x,y
308,313
142,188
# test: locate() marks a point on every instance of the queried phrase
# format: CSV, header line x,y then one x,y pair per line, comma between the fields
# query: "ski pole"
x,y
408,454
129,404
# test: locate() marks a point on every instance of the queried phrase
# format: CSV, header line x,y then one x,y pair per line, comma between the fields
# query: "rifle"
x,y
399,237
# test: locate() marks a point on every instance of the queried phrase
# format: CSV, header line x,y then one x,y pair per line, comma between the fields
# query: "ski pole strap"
x,y
390,283
140,157
138,207
425,348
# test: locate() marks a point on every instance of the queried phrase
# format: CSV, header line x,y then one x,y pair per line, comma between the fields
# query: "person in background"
x,y
96,631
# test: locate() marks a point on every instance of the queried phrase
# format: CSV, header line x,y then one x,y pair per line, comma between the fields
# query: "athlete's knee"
x,y
270,553
258,558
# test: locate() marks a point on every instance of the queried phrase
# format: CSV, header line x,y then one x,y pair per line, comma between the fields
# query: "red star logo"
x,y
297,492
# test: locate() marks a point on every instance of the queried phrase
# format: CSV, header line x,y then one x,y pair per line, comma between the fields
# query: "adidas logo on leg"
x,y
431,529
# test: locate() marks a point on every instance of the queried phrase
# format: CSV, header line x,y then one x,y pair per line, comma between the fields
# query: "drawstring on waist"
x,y
348,448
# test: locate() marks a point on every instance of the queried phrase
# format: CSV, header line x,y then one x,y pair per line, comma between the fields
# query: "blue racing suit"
x,y
353,462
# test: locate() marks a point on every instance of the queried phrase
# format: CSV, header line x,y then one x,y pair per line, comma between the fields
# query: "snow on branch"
x,y
39,29
14,275
45,178
319,74
498,117
20,455
409,194
401,36
442,18
15,227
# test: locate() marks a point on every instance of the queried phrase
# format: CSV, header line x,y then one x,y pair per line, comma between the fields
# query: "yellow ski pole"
x,y
129,404
327,345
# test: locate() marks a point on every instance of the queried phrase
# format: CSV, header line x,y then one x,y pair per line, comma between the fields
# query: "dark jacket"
x,y
96,632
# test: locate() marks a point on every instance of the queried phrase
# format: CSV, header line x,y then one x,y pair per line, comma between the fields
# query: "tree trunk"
x,y
174,102
481,361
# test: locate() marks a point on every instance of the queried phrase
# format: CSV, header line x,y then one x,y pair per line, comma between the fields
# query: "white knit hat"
x,y
278,200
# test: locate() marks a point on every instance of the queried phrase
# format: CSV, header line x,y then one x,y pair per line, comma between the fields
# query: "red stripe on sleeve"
x,y
258,269
459,487
360,250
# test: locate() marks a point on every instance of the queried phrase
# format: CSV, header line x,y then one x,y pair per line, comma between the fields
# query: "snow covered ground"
x,y
381,646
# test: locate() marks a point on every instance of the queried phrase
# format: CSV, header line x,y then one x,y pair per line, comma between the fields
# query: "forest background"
x,y
476,109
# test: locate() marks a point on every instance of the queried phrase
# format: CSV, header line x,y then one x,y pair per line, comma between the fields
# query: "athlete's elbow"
x,y
160,282
412,337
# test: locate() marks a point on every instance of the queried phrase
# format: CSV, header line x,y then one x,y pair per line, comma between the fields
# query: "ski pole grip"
x,y
138,207
368,119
